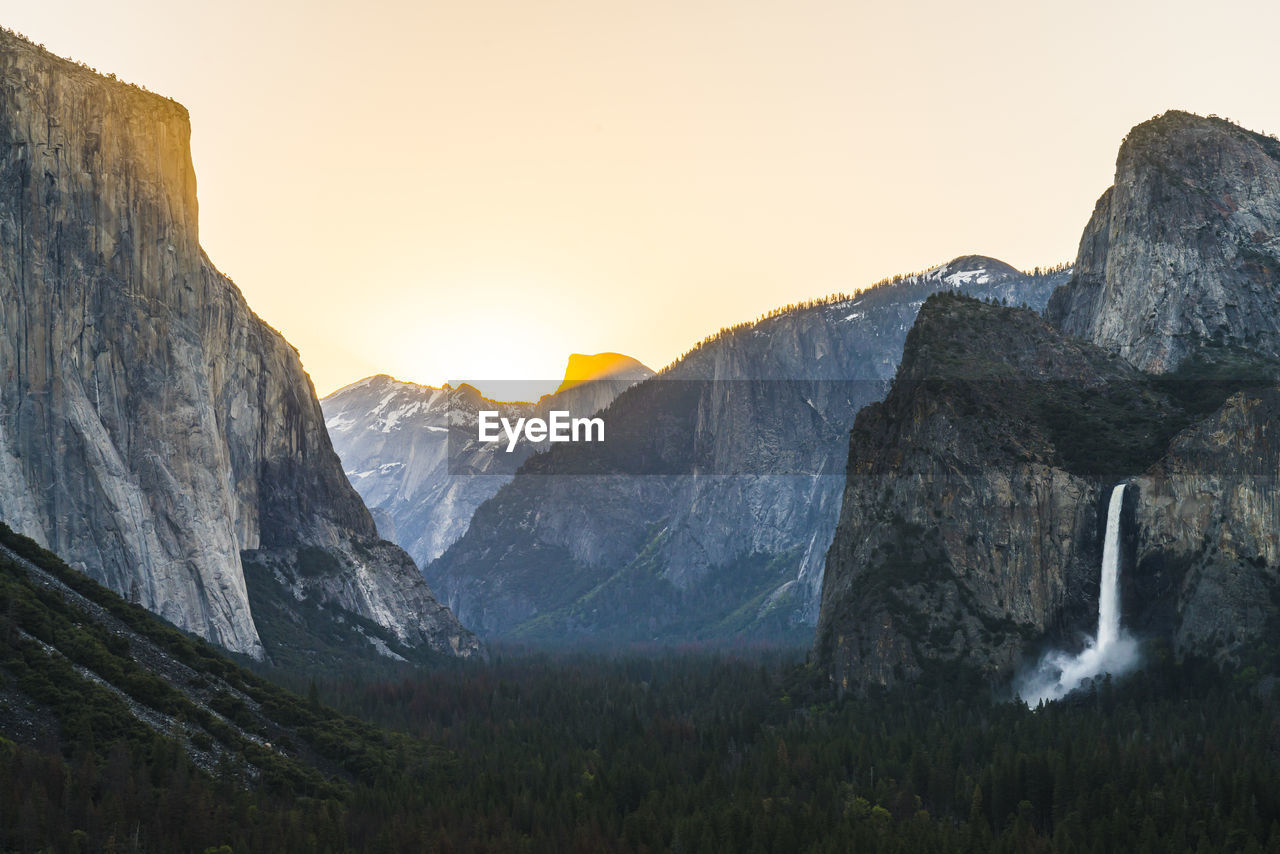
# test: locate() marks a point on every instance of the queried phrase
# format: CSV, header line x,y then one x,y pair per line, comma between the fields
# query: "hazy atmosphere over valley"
x,y
613,427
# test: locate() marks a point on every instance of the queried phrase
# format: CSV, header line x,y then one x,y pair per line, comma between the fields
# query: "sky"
x,y
477,189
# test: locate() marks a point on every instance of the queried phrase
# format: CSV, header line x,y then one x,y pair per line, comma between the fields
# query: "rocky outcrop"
x,y
969,533
591,382
1179,273
1208,531
151,426
969,524
1184,246
708,511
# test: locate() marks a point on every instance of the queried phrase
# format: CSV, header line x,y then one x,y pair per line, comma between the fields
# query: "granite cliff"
x,y
152,428
1179,273
970,531
969,528
1208,531
1184,246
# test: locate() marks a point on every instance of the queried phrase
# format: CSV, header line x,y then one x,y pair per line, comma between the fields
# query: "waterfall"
x,y
1109,594
1111,650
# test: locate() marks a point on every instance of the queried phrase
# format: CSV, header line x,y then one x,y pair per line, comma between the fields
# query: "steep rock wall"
x,y
1184,246
151,426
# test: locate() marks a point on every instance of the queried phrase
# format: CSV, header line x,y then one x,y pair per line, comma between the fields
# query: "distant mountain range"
x,y
707,513
970,529
411,450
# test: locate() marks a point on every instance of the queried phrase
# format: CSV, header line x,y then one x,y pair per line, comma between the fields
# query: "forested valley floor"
x,y
688,751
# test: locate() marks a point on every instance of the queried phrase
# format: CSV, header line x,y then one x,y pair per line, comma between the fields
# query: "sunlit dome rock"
x,y
585,368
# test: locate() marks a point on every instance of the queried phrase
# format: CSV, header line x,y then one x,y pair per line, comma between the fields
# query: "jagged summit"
x,y
1170,130
375,381
580,369
962,272
1183,248
411,450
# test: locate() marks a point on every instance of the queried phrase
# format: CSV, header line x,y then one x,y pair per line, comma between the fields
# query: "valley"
x,y
968,559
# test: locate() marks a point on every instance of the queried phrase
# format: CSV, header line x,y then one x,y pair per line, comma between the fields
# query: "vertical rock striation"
x,y
151,426
1209,530
1178,280
969,526
1179,273
1184,246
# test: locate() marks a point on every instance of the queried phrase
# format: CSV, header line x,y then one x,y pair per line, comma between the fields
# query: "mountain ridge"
x,y
411,451
724,530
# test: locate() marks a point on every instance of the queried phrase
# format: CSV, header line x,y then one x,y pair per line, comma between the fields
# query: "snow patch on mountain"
x,y
411,451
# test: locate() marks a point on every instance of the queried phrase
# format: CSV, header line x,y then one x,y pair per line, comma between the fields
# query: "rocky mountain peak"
x,y
975,270
1182,248
1178,137
412,453
584,368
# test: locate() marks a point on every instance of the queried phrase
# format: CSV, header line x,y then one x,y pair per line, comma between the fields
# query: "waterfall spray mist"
x,y
1111,650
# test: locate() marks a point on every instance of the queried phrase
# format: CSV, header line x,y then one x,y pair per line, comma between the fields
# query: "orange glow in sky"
x,y
477,189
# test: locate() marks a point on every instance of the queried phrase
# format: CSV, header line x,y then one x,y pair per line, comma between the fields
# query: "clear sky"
x,y
477,189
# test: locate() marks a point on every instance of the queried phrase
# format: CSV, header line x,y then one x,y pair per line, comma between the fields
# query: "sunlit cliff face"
x,y
583,368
